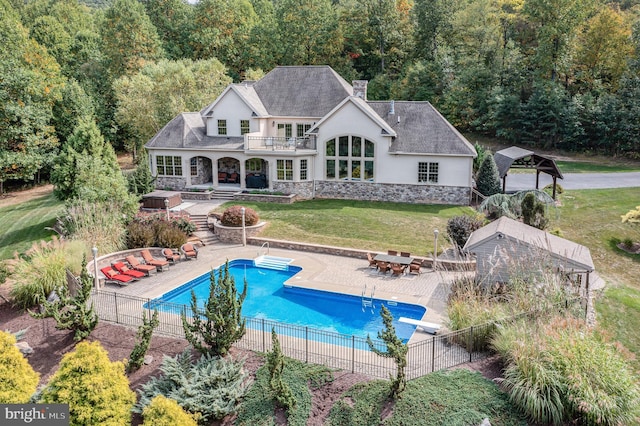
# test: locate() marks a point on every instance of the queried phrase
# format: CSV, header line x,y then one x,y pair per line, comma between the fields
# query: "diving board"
x,y
429,327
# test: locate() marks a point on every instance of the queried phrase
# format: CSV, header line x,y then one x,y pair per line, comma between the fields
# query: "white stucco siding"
x,y
233,109
388,167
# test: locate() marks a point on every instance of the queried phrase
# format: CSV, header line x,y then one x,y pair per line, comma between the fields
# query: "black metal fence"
x,y
311,345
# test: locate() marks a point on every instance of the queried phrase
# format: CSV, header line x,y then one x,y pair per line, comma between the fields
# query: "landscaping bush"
x,y
219,324
143,340
18,381
72,312
166,412
140,235
153,230
567,373
533,212
168,235
280,391
95,388
233,216
42,269
210,388
459,228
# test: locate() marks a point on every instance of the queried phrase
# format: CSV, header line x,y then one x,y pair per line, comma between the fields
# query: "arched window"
x,y
349,158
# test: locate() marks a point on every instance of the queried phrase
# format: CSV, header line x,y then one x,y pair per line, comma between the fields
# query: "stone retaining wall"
x,y
265,198
233,234
415,194
193,195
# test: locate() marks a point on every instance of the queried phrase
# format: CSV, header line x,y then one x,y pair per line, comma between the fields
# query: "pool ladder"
x,y
368,302
266,243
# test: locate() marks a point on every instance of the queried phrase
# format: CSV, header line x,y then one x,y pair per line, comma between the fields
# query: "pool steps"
x,y
272,262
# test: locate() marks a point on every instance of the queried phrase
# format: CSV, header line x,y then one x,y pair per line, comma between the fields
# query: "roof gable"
x,y
301,91
364,108
533,237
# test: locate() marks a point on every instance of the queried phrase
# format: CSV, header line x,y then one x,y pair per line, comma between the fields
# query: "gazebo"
x,y
515,157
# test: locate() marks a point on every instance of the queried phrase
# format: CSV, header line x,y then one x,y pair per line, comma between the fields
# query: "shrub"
x,y
221,324
533,212
168,235
19,380
459,228
395,349
549,189
143,340
275,364
233,216
95,388
184,224
211,388
73,312
41,270
140,235
4,272
567,373
632,216
163,411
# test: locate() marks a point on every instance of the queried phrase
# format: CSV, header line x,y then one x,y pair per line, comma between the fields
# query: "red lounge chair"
x,y
150,260
112,276
125,270
170,255
189,250
135,264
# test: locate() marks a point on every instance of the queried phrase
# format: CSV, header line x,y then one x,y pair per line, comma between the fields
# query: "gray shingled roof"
x,y
505,158
534,237
187,130
302,91
421,129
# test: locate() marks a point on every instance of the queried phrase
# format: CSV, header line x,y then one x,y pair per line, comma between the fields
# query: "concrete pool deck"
x,y
319,271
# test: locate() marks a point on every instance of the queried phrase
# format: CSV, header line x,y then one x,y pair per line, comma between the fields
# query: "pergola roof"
x,y
520,158
515,157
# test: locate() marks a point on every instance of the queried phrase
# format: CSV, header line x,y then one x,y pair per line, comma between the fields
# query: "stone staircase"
x,y
223,194
203,234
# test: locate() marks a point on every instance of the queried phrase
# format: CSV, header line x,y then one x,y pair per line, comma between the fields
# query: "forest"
x,y
546,74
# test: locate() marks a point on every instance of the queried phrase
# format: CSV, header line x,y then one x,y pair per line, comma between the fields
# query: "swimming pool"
x,y
268,298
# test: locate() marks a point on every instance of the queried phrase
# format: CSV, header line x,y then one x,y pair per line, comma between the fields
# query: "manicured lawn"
x,y
358,224
23,224
589,167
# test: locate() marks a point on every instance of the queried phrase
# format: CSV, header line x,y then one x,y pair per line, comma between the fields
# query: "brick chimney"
x,y
360,89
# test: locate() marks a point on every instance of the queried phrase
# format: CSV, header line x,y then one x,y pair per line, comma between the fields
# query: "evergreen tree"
x,y
221,324
488,178
18,379
533,212
72,312
141,181
143,340
275,363
396,349
95,388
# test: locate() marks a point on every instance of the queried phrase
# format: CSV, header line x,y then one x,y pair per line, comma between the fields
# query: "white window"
x,y
284,169
222,127
303,169
428,172
349,158
194,167
284,130
301,129
244,126
168,165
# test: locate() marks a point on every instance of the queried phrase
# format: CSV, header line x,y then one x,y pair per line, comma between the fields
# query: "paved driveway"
x,y
522,181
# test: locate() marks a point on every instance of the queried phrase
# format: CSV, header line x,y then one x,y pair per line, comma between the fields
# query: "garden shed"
x,y
515,157
507,246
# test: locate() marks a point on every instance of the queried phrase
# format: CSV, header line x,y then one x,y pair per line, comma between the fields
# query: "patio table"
x,y
402,260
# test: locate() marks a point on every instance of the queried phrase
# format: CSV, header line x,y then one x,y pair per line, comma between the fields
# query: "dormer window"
x,y
222,127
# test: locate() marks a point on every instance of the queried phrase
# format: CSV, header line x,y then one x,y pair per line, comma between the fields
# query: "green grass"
x,y
619,314
363,225
23,224
589,167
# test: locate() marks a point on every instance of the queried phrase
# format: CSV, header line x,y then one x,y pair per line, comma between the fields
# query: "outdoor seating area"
x,y
397,263
189,250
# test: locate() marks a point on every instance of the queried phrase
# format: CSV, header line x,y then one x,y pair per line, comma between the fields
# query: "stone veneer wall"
x,y
265,198
172,182
233,234
400,193
303,190
193,195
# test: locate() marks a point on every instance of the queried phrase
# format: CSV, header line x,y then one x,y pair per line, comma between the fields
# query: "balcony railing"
x,y
274,143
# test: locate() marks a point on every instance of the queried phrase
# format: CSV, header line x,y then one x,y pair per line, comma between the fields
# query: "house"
x,y
305,130
506,246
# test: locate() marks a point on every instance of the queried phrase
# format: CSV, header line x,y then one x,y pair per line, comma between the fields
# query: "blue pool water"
x,y
268,298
